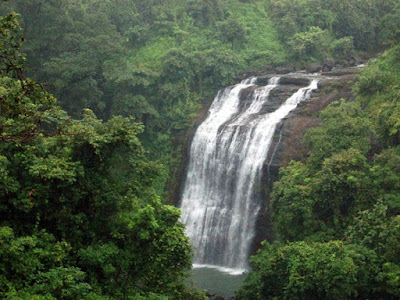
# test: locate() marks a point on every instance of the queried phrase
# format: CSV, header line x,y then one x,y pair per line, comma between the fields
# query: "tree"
x,y
299,270
385,175
344,125
310,45
232,31
71,43
77,204
291,204
376,229
34,265
205,12
390,33
340,188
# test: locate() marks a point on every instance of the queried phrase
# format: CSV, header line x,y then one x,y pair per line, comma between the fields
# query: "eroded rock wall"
x,y
287,142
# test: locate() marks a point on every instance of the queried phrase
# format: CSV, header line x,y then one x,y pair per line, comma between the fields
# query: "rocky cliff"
x,y
287,142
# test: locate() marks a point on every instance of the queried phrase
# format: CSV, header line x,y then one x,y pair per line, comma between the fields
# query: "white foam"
x,y
230,271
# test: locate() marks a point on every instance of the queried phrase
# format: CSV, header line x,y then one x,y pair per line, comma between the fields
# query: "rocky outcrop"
x,y
294,80
277,96
285,69
182,141
287,142
314,68
342,72
328,65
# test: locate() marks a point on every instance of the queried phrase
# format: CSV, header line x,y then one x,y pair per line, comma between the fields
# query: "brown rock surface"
x,y
287,142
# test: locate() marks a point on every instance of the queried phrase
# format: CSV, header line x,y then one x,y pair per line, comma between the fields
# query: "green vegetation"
x,y
156,61
337,214
331,270
162,61
79,216
321,29
81,200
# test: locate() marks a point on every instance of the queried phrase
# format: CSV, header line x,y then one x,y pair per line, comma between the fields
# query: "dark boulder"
x,y
328,65
284,69
263,80
321,84
314,68
300,81
352,61
356,60
268,69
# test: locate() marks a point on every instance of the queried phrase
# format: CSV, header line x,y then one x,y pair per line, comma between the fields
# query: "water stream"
x,y
221,195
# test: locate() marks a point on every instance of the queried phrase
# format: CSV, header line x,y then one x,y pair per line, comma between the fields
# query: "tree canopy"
x,y
79,215
84,182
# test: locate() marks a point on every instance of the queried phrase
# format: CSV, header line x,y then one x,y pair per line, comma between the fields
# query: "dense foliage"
x,y
160,61
79,216
80,206
320,29
337,215
154,60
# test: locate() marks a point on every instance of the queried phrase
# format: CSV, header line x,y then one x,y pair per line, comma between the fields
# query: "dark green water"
x,y
216,282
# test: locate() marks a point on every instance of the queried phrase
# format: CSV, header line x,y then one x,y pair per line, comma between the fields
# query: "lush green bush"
x,y
302,270
79,216
349,25
156,61
310,45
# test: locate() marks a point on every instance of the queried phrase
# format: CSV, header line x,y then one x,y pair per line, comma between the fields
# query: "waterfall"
x,y
221,194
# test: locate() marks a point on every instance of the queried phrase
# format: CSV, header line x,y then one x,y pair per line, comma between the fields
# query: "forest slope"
x,y
162,61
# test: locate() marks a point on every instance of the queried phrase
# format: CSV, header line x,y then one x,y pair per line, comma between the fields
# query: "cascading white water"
x,y
221,194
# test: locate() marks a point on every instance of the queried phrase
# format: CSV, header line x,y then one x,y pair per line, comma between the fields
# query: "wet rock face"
x,y
284,136
277,96
287,142
288,85
285,69
328,65
263,80
293,80
341,72
314,68
289,79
